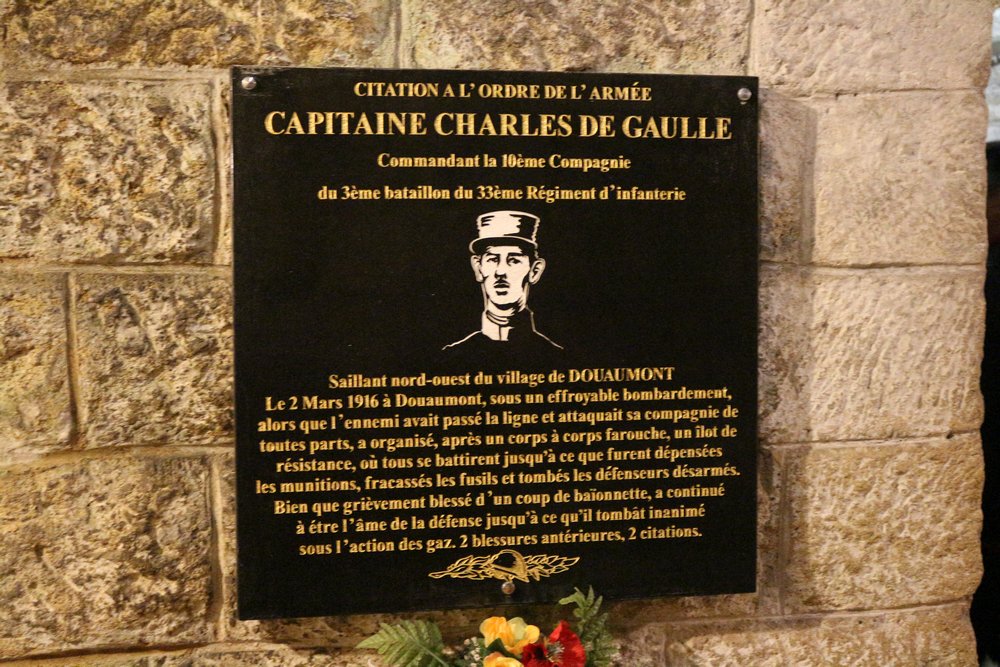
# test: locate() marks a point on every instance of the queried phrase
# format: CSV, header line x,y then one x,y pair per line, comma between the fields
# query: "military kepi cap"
x,y
504,227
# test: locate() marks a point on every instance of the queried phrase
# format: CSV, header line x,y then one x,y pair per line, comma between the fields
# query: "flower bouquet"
x,y
504,643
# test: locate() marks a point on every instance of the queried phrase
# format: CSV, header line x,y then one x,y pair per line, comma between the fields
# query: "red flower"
x,y
570,652
563,649
534,655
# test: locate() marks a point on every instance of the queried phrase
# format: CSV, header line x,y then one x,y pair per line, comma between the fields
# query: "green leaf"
x,y
592,627
496,646
408,644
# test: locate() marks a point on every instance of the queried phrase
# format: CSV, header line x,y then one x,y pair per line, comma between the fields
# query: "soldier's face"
x,y
505,273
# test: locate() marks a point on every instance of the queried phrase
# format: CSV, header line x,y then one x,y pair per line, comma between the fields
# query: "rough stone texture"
x,y
895,353
197,33
883,526
787,140
857,45
632,613
770,482
104,552
155,359
219,655
224,238
658,36
329,631
939,636
106,171
783,356
35,412
869,354
900,179
224,250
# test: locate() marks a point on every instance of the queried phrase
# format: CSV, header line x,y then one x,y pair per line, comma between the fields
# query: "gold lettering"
x,y
269,122
315,118
439,123
582,455
722,129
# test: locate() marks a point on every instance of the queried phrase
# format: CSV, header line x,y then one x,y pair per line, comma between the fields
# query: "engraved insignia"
x,y
507,565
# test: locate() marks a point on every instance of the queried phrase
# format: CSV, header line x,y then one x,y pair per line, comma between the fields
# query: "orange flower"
x,y
515,634
500,660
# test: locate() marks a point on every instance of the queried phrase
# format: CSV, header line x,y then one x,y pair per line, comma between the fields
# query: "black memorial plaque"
x,y
496,337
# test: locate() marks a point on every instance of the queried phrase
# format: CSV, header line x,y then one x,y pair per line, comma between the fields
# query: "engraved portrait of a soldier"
x,y
506,264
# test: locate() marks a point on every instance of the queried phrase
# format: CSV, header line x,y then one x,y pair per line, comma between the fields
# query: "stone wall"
x,y
116,434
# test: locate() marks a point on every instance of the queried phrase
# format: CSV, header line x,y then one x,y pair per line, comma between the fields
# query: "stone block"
x,y
155,359
35,411
197,33
631,613
104,552
224,250
881,526
900,179
224,237
931,636
107,171
691,37
895,353
787,142
222,655
848,354
335,632
783,355
856,45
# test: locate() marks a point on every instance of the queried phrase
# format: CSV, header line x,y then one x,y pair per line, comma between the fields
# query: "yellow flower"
x,y
500,660
515,634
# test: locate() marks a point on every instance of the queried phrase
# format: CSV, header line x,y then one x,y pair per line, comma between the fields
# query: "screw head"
x,y
744,94
249,82
508,588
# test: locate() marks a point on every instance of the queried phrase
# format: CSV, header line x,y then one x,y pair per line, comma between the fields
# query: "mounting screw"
x,y
744,94
508,588
249,83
